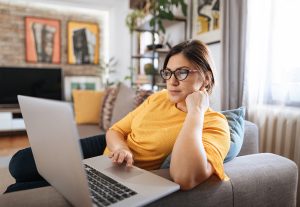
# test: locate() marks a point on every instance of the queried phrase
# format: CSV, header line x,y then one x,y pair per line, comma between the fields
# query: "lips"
x,y
174,91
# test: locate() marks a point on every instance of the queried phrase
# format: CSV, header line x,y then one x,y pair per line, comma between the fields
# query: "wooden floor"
x,y
9,144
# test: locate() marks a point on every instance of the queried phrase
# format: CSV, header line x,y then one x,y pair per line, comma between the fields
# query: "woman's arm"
x,y
189,166
117,145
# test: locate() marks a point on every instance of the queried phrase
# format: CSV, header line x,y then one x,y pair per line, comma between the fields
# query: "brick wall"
x,y
12,36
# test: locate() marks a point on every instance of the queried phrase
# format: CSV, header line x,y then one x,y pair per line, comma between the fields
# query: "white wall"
x,y
120,39
215,99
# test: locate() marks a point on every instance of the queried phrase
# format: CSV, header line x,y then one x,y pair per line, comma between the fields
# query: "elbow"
x,y
189,182
185,184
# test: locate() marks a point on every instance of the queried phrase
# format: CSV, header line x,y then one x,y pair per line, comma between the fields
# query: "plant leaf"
x,y
161,26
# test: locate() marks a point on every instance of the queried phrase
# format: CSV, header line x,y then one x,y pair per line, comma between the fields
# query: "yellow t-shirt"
x,y
152,128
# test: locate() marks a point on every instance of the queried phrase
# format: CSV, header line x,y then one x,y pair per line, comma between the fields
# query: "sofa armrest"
x,y
263,179
255,180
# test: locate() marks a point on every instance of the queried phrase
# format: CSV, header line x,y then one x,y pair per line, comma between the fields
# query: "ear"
x,y
205,85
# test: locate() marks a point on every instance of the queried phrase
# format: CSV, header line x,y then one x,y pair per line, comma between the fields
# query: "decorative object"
x,y
42,40
149,69
83,43
206,21
105,69
80,83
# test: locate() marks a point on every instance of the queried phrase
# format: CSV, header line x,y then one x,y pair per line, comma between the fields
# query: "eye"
x,y
182,72
166,73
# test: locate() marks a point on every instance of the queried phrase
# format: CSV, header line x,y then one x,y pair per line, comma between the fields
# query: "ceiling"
x,y
94,4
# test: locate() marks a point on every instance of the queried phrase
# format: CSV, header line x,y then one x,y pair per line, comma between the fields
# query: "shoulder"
x,y
214,118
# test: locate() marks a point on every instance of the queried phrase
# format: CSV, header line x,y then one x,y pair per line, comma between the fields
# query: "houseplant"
x,y
159,10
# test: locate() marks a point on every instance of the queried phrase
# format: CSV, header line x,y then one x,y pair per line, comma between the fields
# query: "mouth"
x,y
174,92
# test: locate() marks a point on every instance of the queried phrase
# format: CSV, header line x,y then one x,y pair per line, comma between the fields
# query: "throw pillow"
x,y
236,121
107,107
141,96
87,104
125,103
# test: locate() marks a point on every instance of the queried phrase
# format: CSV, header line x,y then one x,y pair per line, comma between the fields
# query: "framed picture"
x,y
83,43
42,40
206,21
80,83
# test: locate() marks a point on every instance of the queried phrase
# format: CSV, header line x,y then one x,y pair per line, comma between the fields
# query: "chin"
x,y
176,99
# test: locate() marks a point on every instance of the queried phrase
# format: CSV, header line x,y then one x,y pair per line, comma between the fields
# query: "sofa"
x,y
256,179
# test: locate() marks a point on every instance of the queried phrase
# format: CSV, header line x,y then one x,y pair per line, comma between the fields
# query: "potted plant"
x,y
160,10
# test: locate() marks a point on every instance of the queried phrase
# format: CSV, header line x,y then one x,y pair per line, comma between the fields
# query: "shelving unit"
x,y
11,120
155,56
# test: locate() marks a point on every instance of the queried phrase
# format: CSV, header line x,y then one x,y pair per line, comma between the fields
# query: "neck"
x,y
181,106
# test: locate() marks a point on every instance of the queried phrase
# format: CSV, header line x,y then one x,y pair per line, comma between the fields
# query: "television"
x,y
36,82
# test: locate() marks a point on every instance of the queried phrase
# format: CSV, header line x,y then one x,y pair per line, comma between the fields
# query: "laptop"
x,y
96,181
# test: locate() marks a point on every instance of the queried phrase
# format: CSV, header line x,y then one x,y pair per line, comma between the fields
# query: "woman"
x,y
176,120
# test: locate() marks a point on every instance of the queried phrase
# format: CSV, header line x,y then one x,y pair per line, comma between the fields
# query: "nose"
x,y
173,81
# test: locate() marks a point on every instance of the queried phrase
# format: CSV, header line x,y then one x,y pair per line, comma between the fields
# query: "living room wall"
x,y
12,35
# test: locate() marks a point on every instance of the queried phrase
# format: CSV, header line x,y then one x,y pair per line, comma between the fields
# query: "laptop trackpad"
x,y
123,172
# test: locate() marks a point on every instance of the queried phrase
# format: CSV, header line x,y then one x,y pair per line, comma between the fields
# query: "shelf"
x,y
144,56
12,110
162,50
145,24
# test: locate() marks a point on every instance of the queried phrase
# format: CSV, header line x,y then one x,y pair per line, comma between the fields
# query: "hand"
x,y
197,100
120,155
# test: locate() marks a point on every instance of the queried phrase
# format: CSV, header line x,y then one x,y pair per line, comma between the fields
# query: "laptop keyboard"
x,y
104,190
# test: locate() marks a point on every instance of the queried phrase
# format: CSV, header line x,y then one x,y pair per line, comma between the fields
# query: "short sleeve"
x,y
216,141
124,125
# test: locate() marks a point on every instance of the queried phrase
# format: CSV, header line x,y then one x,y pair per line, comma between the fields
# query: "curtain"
x,y
273,53
233,47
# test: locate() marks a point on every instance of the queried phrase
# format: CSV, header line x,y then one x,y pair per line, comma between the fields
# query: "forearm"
x,y
115,140
189,165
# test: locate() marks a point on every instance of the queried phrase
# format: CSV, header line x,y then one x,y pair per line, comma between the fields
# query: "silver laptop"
x,y
96,181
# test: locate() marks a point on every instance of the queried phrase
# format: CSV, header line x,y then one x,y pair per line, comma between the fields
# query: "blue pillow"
x,y
236,119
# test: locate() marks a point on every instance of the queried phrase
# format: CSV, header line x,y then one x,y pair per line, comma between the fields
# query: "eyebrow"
x,y
179,68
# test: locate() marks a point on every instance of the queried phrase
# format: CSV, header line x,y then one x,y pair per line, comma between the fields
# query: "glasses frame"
x,y
174,72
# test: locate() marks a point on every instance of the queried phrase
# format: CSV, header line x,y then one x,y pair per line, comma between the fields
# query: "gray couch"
x,y
256,179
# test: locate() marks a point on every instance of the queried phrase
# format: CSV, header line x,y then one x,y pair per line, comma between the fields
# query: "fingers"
x,y
203,88
120,156
129,160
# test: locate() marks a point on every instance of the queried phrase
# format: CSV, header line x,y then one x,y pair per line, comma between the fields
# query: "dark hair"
x,y
196,52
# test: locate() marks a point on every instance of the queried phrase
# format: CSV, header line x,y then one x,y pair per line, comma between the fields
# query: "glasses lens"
x,y
165,74
181,74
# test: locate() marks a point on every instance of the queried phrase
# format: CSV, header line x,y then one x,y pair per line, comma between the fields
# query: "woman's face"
x,y
179,90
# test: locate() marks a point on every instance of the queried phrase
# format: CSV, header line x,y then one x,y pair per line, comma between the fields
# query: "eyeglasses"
x,y
180,73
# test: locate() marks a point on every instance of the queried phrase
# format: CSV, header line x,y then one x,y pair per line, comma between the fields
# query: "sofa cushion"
x,y
87,104
235,118
124,103
141,96
107,107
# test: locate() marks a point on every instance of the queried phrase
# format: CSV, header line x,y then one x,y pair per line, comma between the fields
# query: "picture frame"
x,y
83,42
206,24
42,40
80,83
